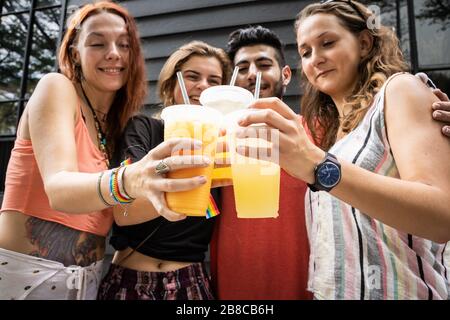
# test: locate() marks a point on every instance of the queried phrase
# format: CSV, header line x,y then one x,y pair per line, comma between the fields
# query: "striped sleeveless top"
x,y
356,257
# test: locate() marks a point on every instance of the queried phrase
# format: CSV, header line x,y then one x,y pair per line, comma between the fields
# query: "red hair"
x,y
130,98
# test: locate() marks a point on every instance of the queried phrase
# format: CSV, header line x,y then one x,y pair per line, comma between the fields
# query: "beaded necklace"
x,y
100,135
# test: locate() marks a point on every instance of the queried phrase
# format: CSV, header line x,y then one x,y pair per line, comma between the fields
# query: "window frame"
x,y
31,11
414,51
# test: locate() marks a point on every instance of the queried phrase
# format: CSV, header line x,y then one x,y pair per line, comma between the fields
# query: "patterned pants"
x,y
24,277
188,283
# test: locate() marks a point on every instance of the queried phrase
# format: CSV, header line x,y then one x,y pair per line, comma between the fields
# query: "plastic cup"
x,y
256,181
225,99
201,123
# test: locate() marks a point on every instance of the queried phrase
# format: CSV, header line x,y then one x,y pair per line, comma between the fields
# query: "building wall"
x,y
166,25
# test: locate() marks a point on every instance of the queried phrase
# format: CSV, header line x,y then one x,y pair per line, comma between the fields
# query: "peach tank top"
x,y
24,188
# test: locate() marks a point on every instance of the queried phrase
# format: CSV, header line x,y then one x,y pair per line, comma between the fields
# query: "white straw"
x,y
183,87
234,76
257,84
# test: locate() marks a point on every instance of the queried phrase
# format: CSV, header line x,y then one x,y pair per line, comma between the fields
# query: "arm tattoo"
x,y
54,241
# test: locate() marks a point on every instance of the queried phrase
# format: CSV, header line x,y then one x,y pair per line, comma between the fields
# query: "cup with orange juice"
x,y
200,123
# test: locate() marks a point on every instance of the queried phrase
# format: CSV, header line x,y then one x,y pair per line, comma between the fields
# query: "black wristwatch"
x,y
327,174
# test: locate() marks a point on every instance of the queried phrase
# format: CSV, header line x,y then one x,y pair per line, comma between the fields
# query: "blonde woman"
x,y
159,259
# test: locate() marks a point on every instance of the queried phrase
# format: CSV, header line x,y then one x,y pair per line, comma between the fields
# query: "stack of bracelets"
x,y
116,187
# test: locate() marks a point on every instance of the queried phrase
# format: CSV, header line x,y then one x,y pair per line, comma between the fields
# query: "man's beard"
x,y
278,90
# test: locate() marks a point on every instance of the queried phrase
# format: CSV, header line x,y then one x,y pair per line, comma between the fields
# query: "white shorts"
x,y
26,277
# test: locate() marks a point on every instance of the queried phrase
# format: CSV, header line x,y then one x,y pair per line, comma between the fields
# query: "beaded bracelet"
x,y
114,188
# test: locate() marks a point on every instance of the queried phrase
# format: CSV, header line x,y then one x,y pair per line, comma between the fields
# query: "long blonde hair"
x,y
384,60
168,75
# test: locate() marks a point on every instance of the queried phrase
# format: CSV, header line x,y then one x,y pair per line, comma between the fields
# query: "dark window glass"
x,y
15,5
433,31
441,79
13,33
43,3
8,118
43,50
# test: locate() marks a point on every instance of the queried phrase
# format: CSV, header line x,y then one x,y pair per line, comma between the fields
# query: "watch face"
x,y
328,174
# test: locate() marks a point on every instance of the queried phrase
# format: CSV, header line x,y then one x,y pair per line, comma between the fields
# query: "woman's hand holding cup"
x,y
147,177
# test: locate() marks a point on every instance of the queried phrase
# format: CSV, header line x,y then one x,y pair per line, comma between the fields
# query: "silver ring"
x,y
162,167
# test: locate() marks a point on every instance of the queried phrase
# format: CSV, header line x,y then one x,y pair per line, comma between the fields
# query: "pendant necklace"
x,y
100,135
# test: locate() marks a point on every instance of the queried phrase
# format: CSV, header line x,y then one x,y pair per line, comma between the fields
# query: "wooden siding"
x,y
166,25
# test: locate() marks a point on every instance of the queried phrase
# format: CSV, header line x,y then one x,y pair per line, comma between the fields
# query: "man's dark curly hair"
x,y
252,36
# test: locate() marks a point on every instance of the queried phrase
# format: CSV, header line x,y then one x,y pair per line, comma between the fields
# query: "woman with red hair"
x,y
58,191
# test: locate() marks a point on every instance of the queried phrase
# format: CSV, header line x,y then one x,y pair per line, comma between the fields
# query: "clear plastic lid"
x,y
226,98
188,112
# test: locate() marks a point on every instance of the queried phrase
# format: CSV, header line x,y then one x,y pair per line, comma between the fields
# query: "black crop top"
x,y
186,240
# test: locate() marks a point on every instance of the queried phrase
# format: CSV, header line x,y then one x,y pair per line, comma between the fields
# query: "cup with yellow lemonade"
x,y
256,175
200,123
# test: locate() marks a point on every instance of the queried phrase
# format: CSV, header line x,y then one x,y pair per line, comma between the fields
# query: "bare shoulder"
x,y
408,91
53,90
54,81
416,141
